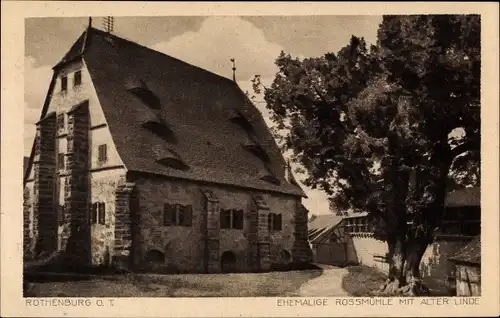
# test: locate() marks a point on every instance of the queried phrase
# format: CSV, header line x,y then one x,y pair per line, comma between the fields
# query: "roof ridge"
x,y
104,33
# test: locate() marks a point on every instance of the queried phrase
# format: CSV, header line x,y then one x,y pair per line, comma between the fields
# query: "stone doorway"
x,y
228,262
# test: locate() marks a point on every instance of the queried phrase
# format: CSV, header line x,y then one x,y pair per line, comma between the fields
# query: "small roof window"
x,y
140,89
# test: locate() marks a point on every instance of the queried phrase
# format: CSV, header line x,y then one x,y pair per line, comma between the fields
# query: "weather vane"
x,y
109,23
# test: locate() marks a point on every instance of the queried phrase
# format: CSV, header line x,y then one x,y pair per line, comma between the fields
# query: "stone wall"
x,y
199,247
75,241
45,177
29,222
104,185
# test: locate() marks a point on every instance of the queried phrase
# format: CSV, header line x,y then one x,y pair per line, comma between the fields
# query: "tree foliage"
x,y
382,128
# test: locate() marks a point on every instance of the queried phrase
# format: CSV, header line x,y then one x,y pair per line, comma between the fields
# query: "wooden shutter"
x,y
167,214
277,222
188,215
238,219
94,213
102,213
180,214
225,219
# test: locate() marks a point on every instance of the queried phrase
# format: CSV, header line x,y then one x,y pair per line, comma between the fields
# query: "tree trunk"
x,y
404,259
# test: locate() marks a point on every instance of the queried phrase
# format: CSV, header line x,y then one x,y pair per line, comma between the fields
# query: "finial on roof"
x,y
90,22
234,69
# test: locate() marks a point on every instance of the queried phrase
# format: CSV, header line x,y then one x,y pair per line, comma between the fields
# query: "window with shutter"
x,y
60,121
60,161
277,222
225,219
102,213
179,209
94,213
188,215
167,214
77,80
64,83
102,153
237,219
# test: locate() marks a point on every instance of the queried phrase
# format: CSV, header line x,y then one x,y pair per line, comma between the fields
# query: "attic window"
x,y
140,90
64,83
257,150
77,79
172,162
160,129
168,157
238,118
271,179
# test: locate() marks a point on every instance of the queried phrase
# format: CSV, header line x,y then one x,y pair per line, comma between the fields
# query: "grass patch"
x,y
182,285
362,281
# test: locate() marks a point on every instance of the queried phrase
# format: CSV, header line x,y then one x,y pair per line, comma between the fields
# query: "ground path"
x,y
328,284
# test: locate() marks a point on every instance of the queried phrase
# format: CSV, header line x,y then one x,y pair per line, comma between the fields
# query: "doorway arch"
x,y
228,262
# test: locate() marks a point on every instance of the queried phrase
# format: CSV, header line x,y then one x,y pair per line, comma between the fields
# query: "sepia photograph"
x,y
216,159
234,156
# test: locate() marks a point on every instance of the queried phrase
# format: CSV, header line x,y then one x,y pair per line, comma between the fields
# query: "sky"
x,y
208,42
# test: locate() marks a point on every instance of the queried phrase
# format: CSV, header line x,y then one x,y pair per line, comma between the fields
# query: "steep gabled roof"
x,y
323,224
195,106
470,253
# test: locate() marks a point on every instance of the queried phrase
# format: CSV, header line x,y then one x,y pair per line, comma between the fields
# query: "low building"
x,y
467,269
327,238
461,224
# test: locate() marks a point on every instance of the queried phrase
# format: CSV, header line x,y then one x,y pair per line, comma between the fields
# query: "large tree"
x,y
382,129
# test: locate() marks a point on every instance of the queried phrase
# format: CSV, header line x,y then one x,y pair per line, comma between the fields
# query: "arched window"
x,y
155,256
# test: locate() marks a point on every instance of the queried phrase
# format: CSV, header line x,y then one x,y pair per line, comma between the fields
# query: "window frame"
x,y
61,121
98,213
177,215
102,153
271,222
61,161
77,75
64,83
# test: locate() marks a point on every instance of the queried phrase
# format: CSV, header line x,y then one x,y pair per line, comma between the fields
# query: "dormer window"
x,y
77,79
140,90
238,118
271,179
64,84
169,158
257,150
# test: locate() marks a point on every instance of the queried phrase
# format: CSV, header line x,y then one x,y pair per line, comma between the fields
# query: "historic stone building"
x,y
143,160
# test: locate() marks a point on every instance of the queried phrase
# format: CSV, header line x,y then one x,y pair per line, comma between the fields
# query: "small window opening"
x,y
77,80
64,83
103,153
